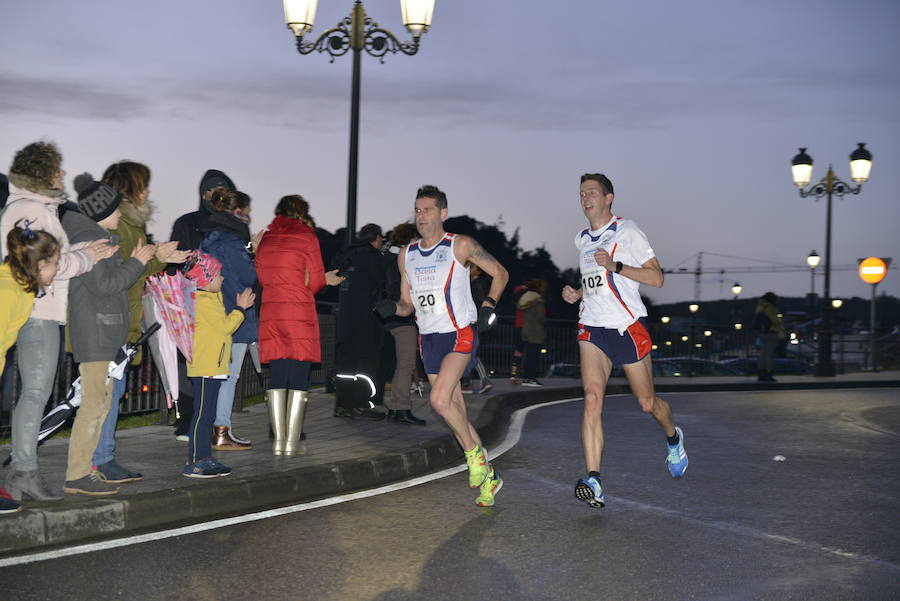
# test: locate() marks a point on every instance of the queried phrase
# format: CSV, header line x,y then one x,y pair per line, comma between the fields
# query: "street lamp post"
x,y
736,291
357,32
828,186
813,261
693,308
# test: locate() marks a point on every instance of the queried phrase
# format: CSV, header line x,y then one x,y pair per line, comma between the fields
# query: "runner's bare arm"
x,y
404,305
470,251
649,272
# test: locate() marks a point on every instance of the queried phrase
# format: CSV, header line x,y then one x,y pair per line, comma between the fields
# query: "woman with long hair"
x,y
290,270
36,192
227,237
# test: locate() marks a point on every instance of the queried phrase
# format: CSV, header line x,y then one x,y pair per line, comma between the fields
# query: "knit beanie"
x,y
202,268
97,200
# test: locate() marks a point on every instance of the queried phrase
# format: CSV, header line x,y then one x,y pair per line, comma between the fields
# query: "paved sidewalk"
x,y
344,455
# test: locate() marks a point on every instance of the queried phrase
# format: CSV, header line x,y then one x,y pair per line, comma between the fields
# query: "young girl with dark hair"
x,y
31,262
36,193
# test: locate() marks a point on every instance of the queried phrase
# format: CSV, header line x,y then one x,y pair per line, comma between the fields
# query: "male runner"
x,y
435,285
615,258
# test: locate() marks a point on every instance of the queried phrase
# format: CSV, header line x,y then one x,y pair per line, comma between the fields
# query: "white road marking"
x,y
513,435
511,439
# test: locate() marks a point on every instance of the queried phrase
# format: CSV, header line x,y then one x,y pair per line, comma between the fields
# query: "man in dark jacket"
x,y
186,230
359,331
187,227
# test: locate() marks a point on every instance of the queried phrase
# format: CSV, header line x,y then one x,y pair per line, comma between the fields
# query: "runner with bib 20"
x,y
435,285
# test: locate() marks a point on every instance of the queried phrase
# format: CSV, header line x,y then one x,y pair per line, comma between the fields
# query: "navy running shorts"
x,y
434,347
622,349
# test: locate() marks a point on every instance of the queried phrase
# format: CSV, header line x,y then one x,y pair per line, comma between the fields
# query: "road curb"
x,y
87,519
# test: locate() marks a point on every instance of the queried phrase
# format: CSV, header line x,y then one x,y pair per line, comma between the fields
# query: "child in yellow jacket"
x,y
209,366
31,263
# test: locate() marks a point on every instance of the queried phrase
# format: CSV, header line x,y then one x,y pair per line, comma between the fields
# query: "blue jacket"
x,y
225,238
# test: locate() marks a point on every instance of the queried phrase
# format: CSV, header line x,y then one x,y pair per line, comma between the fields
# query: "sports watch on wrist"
x,y
619,266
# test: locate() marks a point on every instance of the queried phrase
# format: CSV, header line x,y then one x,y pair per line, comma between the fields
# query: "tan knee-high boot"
x,y
296,411
277,401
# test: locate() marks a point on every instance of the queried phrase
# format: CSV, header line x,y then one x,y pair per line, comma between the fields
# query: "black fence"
x,y
683,349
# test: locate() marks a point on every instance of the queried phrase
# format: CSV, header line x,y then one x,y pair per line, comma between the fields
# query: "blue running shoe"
x,y
589,490
677,459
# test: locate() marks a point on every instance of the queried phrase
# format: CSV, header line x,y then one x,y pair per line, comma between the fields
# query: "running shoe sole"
x,y
585,493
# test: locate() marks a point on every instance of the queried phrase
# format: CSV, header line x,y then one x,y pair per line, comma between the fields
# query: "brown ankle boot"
x,y
221,441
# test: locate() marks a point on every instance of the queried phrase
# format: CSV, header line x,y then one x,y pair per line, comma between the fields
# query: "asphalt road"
x,y
822,524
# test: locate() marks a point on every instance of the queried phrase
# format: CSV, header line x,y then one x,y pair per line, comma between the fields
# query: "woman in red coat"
x,y
289,266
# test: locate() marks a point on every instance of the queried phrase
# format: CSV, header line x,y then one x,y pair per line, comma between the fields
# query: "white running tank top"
x,y
609,300
439,286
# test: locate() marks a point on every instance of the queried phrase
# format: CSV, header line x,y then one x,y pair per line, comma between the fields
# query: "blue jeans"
x,y
106,446
226,390
38,348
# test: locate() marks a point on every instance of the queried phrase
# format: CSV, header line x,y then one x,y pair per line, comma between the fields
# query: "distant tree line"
x,y
526,264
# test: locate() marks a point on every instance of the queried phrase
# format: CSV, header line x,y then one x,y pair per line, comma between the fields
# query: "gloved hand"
x,y
487,319
386,308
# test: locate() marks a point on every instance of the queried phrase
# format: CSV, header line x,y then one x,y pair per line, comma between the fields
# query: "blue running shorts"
x,y
622,349
434,347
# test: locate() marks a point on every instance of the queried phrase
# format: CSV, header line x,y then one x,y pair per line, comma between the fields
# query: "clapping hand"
x,y
143,252
167,252
101,249
246,299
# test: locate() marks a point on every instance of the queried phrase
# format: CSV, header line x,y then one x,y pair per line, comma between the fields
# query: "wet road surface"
x,y
819,525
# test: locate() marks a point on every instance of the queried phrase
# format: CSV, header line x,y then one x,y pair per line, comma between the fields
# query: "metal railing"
x,y
145,391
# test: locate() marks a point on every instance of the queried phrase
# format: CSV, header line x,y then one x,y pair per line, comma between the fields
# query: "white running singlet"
x,y
609,300
439,285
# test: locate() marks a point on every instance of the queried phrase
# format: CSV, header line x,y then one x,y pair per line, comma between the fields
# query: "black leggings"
x,y
289,374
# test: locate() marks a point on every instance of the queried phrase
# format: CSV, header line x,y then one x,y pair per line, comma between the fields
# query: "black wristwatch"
x,y
492,302
619,266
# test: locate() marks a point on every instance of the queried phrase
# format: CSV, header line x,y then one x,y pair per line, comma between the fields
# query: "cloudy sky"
x,y
693,108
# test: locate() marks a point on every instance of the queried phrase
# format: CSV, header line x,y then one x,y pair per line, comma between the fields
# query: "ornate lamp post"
x,y
357,32
828,186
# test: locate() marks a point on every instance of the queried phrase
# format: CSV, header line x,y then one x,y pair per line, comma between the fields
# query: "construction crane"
x,y
698,270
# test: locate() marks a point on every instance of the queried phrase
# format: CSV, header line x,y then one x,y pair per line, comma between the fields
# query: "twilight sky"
x,y
694,109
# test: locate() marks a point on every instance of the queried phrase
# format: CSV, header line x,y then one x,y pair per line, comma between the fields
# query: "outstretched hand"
x,y
167,252
332,278
246,299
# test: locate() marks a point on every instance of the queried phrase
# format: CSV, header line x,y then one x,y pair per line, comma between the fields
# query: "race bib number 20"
x,y
427,302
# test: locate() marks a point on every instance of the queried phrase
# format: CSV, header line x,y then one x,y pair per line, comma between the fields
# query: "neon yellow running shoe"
x,y
489,489
478,467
